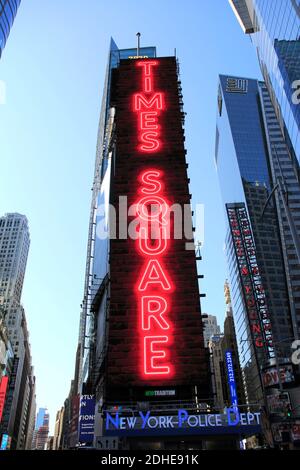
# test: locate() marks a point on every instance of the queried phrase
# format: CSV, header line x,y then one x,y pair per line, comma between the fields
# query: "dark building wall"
x,y
188,354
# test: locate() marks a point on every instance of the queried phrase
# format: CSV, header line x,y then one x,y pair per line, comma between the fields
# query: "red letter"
x,y
153,307
156,101
154,274
147,74
150,355
148,178
150,141
148,120
146,244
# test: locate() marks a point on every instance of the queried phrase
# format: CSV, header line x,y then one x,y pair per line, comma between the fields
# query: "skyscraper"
x,y
260,191
41,430
127,353
8,11
14,247
274,27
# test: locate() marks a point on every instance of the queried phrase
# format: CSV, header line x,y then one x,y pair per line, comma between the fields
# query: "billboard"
x,y
252,287
155,327
271,377
231,378
87,418
278,402
3,389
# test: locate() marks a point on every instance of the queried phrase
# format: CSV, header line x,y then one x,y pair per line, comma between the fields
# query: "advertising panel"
x,y
231,379
154,301
278,402
3,389
271,378
4,442
253,290
87,418
183,422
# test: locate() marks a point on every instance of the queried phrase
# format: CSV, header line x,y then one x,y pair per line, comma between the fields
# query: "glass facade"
x,y
8,11
243,165
274,26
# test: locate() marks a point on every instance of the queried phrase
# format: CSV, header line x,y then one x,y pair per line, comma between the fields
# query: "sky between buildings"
x,y
53,67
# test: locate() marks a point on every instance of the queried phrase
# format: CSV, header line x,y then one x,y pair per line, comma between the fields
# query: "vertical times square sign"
x,y
155,327
253,290
154,283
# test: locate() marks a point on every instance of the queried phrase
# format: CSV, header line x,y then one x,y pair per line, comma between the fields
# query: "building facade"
x,y
274,28
210,328
8,11
114,365
41,431
256,178
14,247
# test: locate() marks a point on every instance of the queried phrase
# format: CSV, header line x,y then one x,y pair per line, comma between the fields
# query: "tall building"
x,y
217,370
120,362
210,328
58,430
41,431
260,191
229,346
274,28
221,347
40,417
31,413
21,384
14,247
8,11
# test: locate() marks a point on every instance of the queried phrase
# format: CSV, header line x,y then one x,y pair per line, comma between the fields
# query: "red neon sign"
x,y
3,389
148,105
154,284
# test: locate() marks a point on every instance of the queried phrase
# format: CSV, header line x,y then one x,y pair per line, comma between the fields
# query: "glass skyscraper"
x,y
250,155
8,11
274,27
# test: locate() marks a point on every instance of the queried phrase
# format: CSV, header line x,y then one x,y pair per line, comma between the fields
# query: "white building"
x,y
210,328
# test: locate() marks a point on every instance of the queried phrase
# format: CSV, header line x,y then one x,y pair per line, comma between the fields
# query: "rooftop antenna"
x,y
138,44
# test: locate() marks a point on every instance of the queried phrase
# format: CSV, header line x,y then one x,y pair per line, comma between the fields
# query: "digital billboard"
x,y
231,379
3,389
86,418
155,328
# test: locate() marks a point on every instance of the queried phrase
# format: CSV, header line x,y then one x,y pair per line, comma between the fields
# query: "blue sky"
x,y
53,66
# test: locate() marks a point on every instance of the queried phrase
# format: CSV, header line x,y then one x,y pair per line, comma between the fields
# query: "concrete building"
x,y
58,431
14,247
210,328
42,431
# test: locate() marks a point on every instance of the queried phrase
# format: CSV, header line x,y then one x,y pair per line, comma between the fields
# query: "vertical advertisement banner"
x,y
4,442
3,389
87,418
231,379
